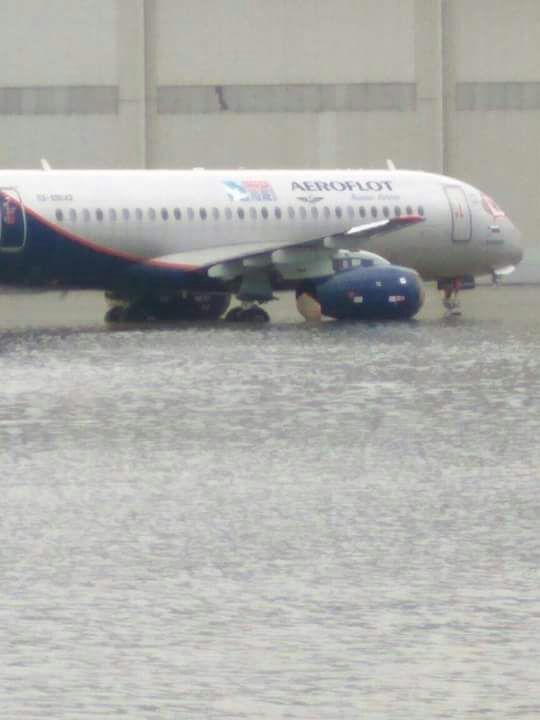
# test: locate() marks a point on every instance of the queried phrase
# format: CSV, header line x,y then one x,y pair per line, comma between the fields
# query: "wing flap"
x,y
229,261
208,257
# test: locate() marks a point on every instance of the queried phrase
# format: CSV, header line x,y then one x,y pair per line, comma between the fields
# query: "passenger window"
x,y
327,212
386,212
125,214
164,214
59,215
191,214
112,215
409,210
99,215
303,212
339,212
203,214
397,211
177,214
228,213
241,214
374,211
350,211
290,210
151,214
253,213
139,214
215,214
362,211
73,215
421,211
86,215
264,213
277,213
314,212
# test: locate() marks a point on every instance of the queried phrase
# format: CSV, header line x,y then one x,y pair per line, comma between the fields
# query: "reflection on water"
x,y
295,521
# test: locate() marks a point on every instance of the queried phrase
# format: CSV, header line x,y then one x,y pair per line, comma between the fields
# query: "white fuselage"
x,y
151,214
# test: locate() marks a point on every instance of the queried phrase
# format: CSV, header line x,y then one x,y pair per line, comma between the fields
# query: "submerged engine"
x,y
364,287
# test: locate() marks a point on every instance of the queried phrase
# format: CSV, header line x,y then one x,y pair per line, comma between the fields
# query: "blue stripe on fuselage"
x,y
53,257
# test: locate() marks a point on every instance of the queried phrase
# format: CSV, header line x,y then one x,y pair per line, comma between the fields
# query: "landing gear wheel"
x,y
171,307
450,290
116,314
136,313
453,307
234,314
255,314
251,314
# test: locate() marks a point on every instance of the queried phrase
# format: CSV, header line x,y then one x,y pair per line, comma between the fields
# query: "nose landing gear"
x,y
450,295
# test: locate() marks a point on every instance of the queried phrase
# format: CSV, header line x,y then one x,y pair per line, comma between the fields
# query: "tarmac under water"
x,y
278,521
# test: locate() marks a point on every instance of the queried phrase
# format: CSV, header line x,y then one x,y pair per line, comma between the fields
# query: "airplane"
x,y
169,245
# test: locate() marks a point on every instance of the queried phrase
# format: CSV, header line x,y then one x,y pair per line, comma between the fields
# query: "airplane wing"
x,y
230,261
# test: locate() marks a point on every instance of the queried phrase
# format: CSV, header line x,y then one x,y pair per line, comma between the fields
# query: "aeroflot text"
x,y
338,186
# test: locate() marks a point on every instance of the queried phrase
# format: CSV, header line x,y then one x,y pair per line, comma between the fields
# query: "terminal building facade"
x,y
448,86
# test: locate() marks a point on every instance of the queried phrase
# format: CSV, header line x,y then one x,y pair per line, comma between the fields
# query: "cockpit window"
x,y
491,207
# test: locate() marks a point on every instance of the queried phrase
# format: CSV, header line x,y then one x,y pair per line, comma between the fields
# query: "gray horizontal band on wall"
x,y
59,100
498,96
202,99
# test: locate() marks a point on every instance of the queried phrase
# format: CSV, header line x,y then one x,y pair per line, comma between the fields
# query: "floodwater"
x,y
288,521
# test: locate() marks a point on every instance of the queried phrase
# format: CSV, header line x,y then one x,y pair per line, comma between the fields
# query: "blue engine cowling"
x,y
379,292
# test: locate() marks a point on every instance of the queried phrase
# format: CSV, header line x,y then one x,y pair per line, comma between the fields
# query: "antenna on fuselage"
x,y
390,164
45,165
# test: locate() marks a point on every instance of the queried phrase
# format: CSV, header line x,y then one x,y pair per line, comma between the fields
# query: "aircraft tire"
x,y
115,314
253,314
136,313
233,315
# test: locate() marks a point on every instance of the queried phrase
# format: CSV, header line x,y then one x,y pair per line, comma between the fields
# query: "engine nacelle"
x,y
376,292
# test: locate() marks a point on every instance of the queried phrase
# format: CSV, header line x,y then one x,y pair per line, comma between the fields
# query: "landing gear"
x,y
450,290
255,288
247,313
115,314
167,308
179,307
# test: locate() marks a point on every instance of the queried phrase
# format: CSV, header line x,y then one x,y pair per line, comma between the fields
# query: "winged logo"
x,y
311,199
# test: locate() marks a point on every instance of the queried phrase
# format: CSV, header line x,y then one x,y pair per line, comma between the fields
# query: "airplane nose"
x,y
515,248
517,255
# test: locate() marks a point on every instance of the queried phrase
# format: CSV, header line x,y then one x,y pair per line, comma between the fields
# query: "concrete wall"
x,y
445,85
311,98
493,108
69,86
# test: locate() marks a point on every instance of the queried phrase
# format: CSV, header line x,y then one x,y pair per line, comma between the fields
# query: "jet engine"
x,y
364,287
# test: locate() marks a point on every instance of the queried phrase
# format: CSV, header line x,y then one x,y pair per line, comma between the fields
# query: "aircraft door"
x,y
461,214
12,221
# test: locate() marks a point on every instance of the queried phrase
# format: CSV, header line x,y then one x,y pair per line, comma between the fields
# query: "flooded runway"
x,y
285,521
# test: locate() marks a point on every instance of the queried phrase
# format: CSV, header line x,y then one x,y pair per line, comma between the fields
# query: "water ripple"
x,y
291,521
